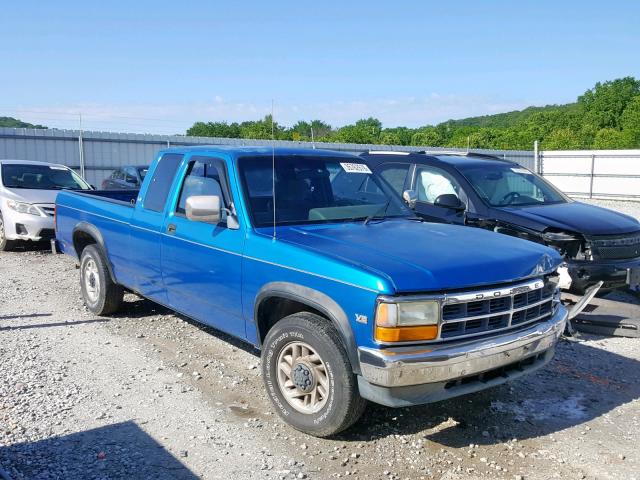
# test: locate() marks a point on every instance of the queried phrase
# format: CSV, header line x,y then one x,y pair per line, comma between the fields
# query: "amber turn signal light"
x,y
406,334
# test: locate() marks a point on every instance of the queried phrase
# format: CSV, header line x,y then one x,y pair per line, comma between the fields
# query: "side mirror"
x,y
203,208
449,200
410,197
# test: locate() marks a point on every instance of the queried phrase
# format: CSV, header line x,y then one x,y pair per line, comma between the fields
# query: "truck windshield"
x,y
510,185
41,177
315,189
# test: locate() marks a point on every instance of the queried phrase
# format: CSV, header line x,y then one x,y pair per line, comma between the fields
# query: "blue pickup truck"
x,y
317,262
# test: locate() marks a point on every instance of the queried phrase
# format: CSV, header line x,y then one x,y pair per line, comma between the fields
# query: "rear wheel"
x,y
5,245
101,295
309,377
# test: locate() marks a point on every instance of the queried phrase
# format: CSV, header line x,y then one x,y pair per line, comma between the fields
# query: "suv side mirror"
x,y
410,197
203,208
449,200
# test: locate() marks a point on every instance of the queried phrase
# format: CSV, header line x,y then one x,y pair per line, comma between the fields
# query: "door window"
x,y
161,181
205,176
431,182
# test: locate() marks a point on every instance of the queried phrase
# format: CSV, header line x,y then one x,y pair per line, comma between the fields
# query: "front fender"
x,y
318,301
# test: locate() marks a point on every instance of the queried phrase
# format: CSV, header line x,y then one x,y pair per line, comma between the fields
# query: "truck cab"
x,y
312,258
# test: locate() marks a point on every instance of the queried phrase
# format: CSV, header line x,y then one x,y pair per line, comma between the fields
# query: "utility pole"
x,y
81,148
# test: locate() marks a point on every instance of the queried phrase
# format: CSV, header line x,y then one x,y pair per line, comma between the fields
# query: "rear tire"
x,y
5,245
308,376
101,295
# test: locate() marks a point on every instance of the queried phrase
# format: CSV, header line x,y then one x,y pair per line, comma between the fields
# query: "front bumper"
x,y
24,226
404,376
613,273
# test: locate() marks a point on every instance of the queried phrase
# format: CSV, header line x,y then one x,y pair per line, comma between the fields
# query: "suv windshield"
x,y
41,177
311,189
510,185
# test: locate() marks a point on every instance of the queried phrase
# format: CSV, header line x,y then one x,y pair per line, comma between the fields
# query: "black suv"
x,y
488,192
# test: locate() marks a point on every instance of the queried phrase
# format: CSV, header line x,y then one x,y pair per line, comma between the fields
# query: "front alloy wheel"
x,y
302,377
309,377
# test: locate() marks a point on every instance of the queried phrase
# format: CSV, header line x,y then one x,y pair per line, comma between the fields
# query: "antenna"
x,y
273,171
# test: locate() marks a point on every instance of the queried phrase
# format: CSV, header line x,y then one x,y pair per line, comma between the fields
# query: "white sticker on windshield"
x,y
355,167
521,170
55,167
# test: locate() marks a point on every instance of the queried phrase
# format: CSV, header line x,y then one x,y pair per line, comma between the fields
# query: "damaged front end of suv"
x,y
594,258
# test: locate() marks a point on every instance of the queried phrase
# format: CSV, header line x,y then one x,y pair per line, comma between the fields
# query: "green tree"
x,y
262,129
427,137
214,129
363,131
11,122
630,123
561,139
604,104
608,139
396,136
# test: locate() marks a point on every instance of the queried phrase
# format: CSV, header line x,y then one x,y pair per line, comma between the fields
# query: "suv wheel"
x,y
308,376
5,245
101,295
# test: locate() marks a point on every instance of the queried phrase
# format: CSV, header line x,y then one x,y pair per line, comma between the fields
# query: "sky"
x,y
158,66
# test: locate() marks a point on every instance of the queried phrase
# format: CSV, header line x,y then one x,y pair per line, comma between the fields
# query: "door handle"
x,y
171,228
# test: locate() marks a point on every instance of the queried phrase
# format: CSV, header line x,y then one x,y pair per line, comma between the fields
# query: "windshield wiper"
x,y
376,213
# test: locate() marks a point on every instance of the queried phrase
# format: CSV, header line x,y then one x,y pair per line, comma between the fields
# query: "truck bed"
x,y
110,211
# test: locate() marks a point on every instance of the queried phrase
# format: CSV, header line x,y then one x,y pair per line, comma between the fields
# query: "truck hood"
x,y
577,217
418,257
31,195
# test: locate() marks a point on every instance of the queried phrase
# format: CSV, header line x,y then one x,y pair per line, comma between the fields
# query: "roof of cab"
x,y
236,151
434,158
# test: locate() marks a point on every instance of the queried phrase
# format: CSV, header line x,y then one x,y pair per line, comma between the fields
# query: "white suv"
x,y
28,193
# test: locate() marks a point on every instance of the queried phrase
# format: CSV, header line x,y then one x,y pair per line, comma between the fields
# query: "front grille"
x,y
477,313
616,247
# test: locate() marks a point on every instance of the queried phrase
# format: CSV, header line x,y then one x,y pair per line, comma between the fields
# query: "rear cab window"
x,y
160,184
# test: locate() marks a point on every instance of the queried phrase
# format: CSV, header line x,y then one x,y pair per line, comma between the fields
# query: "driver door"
x,y
201,262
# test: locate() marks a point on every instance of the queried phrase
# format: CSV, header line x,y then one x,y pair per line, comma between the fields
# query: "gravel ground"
x,y
148,394
630,208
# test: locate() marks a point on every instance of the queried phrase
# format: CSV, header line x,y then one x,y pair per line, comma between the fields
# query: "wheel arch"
x,y
291,298
85,234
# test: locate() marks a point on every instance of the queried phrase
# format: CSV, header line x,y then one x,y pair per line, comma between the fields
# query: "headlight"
x,y
22,207
407,321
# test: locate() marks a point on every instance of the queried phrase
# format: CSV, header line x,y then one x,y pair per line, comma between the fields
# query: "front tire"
x,y
308,376
100,294
5,245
